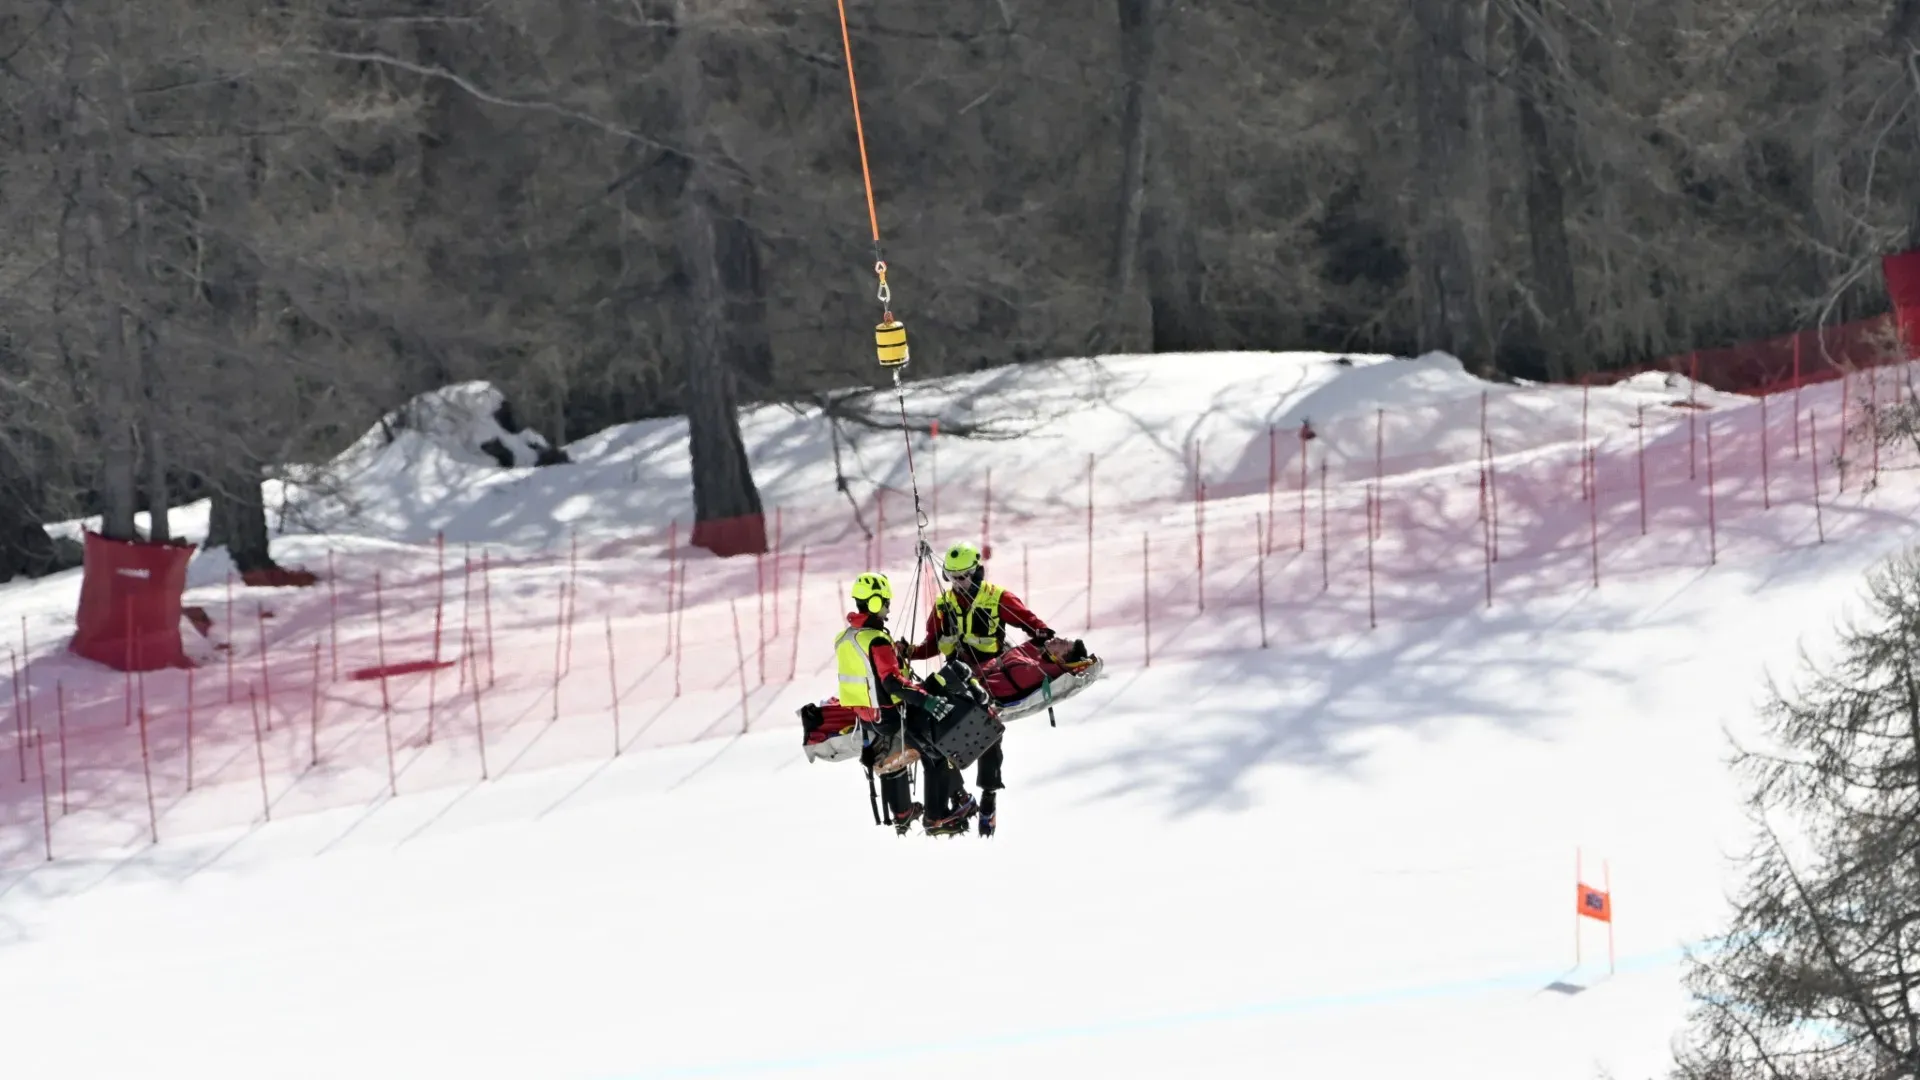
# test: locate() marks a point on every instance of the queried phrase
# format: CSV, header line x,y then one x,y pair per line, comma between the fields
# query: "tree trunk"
x,y
1450,202
750,345
25,547
1905,35
159,503
94,120
237,519
1560,333
1171,247
726,504
119,486
1829,210
1139,24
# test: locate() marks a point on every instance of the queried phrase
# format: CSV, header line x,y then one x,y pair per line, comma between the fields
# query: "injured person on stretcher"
x,y
1025,679
888,722
969,623
1035,676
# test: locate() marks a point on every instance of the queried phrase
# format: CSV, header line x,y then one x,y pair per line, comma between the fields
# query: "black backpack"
x,y
961,720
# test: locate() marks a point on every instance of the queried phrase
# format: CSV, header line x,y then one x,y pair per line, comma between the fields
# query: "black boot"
x,y
955,819
901,809
989,804
904,819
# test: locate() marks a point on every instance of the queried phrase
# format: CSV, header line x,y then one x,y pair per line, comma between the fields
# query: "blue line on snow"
x,y
1535,979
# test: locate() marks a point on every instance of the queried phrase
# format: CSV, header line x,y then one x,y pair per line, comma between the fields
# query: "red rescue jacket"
x,y
1013,612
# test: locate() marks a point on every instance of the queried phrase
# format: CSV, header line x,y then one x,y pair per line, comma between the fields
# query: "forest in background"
x,y
234,235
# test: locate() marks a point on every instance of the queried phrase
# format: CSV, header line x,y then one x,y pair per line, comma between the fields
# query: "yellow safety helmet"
x,y
871,592
961,559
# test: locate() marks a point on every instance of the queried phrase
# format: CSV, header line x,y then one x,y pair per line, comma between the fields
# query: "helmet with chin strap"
x,y
872,592
962,563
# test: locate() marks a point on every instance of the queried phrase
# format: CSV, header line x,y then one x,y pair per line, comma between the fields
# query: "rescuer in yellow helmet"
x,y
884,694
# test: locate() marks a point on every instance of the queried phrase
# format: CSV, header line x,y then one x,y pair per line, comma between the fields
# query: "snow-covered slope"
x,y
1349,853
1249,868
1151,422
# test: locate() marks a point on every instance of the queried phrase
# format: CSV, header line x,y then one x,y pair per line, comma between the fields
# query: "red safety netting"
x,y
129,617
477,663
1803,358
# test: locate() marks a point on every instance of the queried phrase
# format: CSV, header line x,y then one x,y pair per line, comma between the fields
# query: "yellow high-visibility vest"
x,y
853,651
958,627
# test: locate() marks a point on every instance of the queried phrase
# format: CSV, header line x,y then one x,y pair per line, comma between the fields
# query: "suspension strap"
x,y
890,334
922,551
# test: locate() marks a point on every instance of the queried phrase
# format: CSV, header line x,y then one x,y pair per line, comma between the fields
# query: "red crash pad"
x,y
1903,287
129,617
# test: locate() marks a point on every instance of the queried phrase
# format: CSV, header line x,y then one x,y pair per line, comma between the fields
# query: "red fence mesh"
x,y
520,662
1804,358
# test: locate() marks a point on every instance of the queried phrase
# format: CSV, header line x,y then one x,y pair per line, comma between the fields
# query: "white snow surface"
x,y
1144,419
1350,853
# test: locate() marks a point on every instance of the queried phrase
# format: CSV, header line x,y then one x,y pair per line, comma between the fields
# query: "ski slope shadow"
x,y
1305,705
32,887
1022,1033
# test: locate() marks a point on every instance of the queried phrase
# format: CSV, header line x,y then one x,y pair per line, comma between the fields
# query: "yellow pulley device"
x,y
890,337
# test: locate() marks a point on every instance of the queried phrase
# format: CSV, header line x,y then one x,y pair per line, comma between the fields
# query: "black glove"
x,y
1042,636
912,695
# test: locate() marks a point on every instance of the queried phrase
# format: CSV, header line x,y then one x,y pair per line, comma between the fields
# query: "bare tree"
x,y
727,517
104,216
1903,37
25,547
1449,199
1139,27
240,232
1544,130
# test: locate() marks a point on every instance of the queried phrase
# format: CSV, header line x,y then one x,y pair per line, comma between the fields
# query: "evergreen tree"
x,y
1819,976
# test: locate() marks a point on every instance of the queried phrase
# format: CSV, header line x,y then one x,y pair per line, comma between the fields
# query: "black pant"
x,y
896,792
944,784
989,774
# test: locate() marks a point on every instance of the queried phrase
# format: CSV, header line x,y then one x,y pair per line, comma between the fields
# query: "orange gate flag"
x,y
1594,904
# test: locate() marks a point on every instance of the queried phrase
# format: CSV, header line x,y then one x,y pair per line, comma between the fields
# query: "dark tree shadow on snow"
x,y
1302,704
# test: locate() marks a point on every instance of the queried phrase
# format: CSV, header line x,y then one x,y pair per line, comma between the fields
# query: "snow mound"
x,y
210,566
455,463
398,479
467,423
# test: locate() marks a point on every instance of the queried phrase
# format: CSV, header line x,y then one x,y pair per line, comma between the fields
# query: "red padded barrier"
x,y
1903,286
129,617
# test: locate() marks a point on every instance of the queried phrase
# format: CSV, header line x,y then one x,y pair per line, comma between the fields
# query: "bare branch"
x,y
479,93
